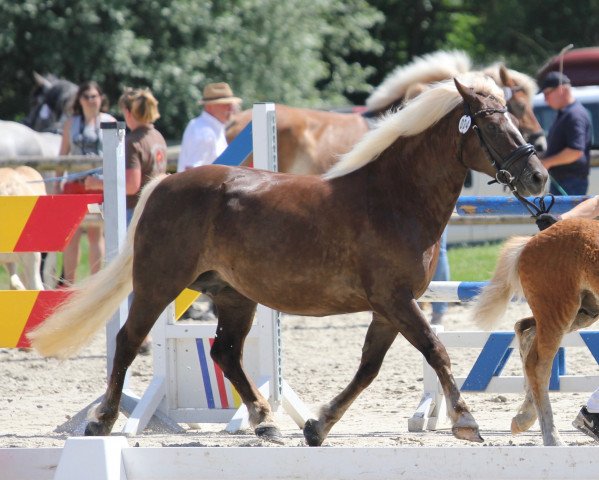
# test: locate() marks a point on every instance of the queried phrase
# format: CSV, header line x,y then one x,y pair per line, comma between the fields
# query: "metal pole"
x,y
264,135
115,227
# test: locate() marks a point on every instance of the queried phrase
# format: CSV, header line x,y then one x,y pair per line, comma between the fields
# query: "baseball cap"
x,y
554,79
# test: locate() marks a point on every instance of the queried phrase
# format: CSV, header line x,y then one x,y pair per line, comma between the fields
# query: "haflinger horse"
x,y
312,141
22,181
363,237
557,272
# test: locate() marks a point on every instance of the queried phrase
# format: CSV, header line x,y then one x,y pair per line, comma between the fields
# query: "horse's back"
x,y
567,254
18,140
22,180
309,141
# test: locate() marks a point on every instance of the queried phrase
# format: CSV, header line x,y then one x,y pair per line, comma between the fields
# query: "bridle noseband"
x,y
501,164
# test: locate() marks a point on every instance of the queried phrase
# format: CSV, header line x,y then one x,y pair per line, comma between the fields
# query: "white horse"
x,y
22,181
18,140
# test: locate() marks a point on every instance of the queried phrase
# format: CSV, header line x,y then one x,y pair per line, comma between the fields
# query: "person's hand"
x,y
545,220
93,183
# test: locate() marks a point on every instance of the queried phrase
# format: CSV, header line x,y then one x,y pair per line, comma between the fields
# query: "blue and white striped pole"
x,y
498,205
452,291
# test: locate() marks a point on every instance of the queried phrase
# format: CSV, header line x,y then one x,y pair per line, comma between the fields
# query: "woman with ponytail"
x,y
145,147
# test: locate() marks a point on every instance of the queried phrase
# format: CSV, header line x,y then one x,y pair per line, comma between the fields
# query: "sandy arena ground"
x,y
320,355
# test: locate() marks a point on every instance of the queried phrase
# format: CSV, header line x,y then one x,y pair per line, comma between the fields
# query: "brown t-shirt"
x,y
145,148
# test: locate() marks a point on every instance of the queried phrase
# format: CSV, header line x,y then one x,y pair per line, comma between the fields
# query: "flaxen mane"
x,y
432,67
416,116
527,83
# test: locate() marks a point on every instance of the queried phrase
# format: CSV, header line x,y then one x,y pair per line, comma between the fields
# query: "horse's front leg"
x,y
412,324
379,338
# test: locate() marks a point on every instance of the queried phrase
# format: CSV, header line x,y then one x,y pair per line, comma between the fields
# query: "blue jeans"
x,y
442,272
129,215
570,185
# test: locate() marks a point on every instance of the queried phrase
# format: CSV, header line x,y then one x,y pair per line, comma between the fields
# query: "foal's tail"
x,y
492,303
91,302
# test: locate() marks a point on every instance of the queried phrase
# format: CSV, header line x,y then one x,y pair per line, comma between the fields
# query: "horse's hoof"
x,y
95,429
270,433
467,433
521,423
312,434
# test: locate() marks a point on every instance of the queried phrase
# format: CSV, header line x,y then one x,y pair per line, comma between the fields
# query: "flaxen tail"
x,y
91,302
491,304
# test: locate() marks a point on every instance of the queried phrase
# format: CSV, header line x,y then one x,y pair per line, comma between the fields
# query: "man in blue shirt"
x,y
568,144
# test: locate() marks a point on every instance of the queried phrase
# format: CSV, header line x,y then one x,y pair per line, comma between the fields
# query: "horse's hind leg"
x,y
31,270
379,338
527,414
538,365
143,313
13,276
235,314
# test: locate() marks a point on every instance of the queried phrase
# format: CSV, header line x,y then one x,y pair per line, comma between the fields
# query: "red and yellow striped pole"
x,y
41,223
23,310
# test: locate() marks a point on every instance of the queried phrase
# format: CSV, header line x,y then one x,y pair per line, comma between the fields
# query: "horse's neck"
x,y
425,174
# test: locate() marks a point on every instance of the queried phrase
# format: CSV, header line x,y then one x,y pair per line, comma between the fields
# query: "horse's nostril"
x,y
538,178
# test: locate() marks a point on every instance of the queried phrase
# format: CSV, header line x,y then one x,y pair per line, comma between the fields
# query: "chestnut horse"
x,y
311,141
363,237
557,271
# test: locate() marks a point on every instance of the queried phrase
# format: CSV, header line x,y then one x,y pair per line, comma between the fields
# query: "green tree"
x,y
293,52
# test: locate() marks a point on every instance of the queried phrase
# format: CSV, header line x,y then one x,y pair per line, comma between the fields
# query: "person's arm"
x,y
65,143
65,148
587,209
564,157
132,180
188,147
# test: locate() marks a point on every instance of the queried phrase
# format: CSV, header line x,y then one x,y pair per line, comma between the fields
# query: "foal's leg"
x,y
379,338
235,314
537,366
13,276
32,278
412,324
143,313
527,414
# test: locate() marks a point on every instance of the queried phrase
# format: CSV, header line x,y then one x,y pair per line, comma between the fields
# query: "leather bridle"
x,y
502,164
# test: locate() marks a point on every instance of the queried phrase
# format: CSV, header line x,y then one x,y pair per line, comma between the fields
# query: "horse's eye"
x,y
492,128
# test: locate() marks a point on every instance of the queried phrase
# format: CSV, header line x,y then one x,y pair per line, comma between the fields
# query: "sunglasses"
x,y
90,97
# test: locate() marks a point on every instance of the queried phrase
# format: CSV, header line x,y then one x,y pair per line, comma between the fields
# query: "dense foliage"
x,y
317,53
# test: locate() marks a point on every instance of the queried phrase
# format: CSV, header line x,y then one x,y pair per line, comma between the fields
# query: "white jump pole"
x,y
115,226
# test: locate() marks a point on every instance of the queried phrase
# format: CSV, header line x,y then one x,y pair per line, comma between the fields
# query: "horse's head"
x,y
519,104
492,144
49,103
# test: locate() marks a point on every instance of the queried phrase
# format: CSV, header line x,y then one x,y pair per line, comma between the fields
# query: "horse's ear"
x,y
467,93
506,78
41,80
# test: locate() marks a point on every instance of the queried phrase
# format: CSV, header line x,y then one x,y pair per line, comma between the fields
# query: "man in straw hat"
x,y
204,137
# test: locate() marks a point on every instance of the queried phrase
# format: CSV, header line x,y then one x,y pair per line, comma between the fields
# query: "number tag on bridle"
x,y
507,93
465,123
